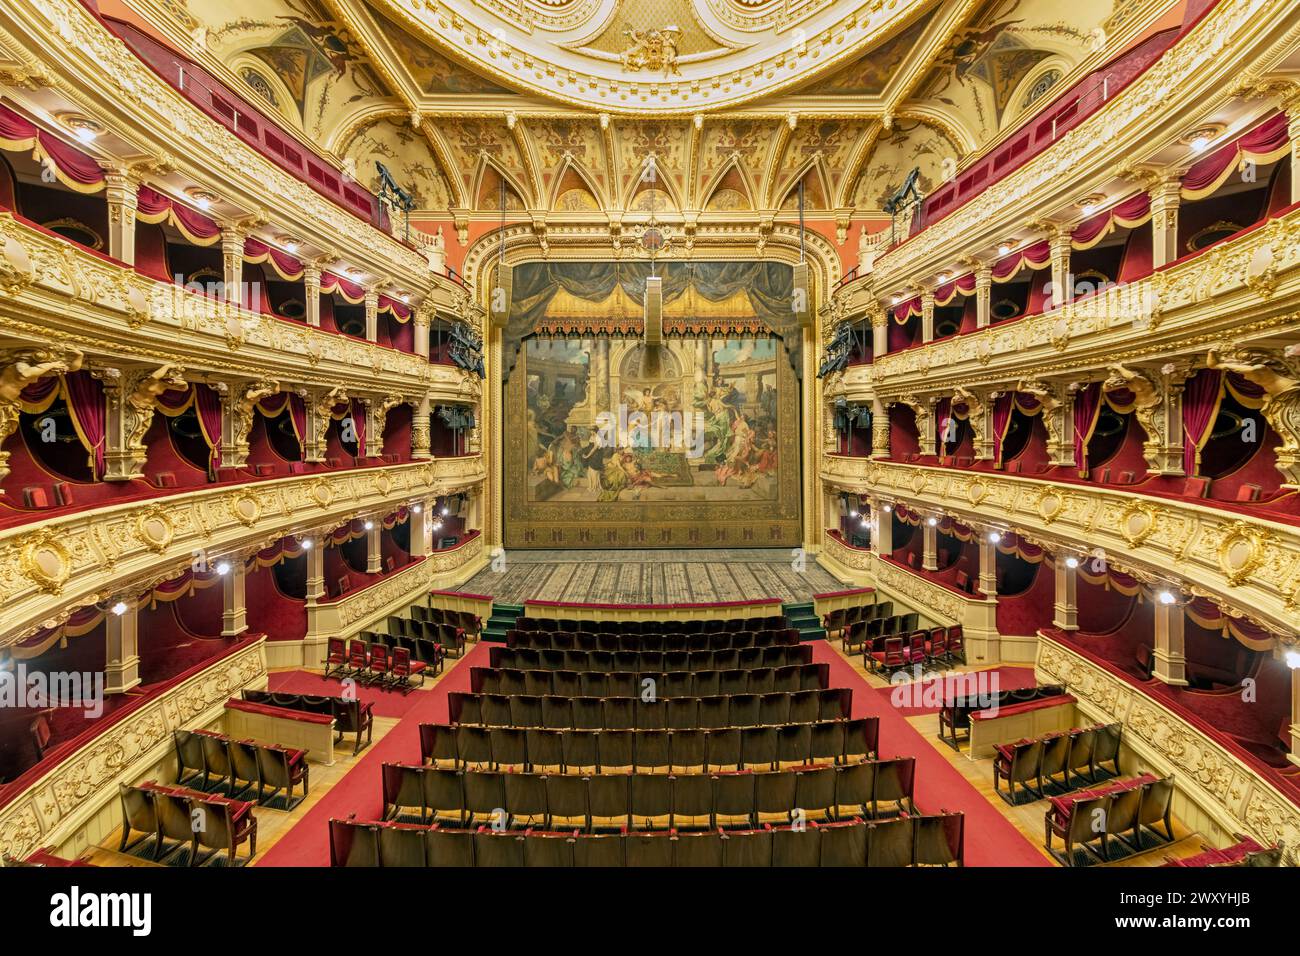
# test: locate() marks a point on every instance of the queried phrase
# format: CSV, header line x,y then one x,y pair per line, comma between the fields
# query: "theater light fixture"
x,y
888,508
417,508
445,510
995,536
223,568
1166,597
932,521
203,200
1292,658
369,526
943,277
1071,563
1199,139
1090,204
1005,248
305,544
85,129
119,608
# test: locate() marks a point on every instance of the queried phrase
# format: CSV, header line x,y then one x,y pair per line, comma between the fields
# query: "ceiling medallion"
x,y
651,50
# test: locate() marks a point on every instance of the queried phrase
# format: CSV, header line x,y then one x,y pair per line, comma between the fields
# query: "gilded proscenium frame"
x,y
72,560
778,242
1250,565
628,523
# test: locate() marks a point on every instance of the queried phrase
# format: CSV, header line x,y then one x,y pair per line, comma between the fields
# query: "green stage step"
x,y
803,617
502,620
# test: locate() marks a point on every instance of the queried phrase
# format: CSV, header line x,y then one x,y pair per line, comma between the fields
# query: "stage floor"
x,y
653,576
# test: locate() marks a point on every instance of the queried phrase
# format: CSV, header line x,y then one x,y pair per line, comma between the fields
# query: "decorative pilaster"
x,y
1062,281
927,316
882,533
1279,376
930,546
1165,199
315,568
237,410
980,412
234,612
372,315
311,287
879,332
1294,756
1170,663
232,258
122,660
374,548
1066,602
130,396
423,319
988,566
122,195
983,296
420,429
879,429
420,528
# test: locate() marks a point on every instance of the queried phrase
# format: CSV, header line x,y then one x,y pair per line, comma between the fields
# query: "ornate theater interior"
x,y
641,433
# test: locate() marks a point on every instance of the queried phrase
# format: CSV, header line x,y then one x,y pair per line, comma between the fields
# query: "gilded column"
x,y
879,429
420,430
882,532
1165,199
234,612
879,332
988,566
1066,601
983,296
232,258
122,196
1062,281
311,287
374,547
315,545
927,316
930,541
372,315
1170,660
422,319
122,662
420,529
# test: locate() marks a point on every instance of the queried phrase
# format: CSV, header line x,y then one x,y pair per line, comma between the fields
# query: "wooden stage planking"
x,y
651,576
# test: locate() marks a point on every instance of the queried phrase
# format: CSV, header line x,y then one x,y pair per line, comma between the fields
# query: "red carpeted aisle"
x,y
360,792
991,839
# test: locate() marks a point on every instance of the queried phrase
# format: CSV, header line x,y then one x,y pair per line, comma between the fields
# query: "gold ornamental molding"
x,y
1252,566
100,75
1186,309
1193,77
67,295
1236,797
69,796
74,560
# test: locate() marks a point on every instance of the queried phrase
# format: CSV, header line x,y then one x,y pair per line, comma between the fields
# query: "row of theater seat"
x,y
1109,812
658,684
449,637
377,664
639,800
926,840
467,621
1062,752
891,652
1245,852
838,620
704,626
868,629
650,662
350,714
670,643
186,818
202,755
573,751
557,712
955,714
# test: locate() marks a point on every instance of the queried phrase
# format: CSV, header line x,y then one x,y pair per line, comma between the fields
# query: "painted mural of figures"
x,y
741,447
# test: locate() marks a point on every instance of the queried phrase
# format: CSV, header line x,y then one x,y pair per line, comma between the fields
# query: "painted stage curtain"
x,y
1035,256
1129,214
769,286
153,207
1087,409
286,266
70,165
1205,613
1266,143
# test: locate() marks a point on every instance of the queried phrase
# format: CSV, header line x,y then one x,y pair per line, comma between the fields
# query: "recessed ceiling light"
x,y
1166,597
995,537
932,521
369,526
119,608
1071,562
